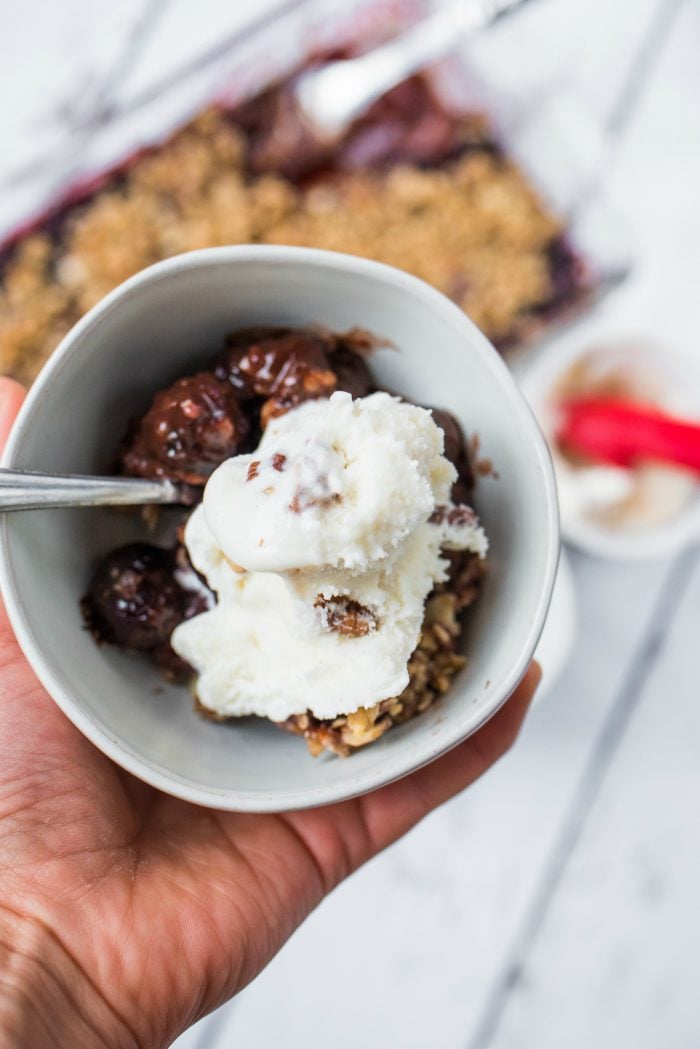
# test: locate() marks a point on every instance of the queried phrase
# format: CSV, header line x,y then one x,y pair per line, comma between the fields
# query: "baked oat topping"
x,y
137,599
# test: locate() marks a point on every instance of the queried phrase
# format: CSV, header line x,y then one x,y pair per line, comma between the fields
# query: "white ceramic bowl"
x,y
168,321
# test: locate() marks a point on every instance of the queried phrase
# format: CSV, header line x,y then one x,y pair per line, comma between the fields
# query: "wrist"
x,y
45,996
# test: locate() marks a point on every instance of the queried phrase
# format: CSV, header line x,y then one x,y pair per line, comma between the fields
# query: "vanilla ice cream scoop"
x,y
322,547
334,484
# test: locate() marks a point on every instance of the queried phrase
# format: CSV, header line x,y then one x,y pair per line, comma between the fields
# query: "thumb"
x,y
11,396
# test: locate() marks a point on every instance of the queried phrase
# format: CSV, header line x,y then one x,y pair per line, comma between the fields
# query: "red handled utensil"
x,y
621,432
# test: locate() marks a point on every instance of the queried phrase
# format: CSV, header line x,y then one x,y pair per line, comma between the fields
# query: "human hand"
x,y
126,914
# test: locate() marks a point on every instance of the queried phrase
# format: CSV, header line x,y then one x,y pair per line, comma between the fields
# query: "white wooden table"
x,y
556,903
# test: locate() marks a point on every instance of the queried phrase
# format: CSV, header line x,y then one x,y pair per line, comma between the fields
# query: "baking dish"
x,y
548,133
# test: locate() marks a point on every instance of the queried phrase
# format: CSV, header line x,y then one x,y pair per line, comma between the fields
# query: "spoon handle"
x,y
336,94
27,490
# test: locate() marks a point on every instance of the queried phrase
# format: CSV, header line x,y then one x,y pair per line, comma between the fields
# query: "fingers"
x,y
392,811
11,396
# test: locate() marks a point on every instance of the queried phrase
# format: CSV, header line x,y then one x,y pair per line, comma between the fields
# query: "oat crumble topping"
x,y
472,226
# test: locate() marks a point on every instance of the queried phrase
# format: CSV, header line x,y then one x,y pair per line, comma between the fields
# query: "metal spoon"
x,y
330,98
27,490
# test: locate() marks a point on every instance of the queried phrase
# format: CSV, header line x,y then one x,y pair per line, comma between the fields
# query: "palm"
x,y
146,890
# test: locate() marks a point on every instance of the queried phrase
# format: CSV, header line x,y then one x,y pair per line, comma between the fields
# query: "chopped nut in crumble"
x,y
345,616
304,499
453,515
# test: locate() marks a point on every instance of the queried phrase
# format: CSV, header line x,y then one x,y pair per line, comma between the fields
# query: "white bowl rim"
x,y
385,772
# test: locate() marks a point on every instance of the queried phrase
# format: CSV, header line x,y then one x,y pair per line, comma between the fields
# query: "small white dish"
x,y
168,321
661,375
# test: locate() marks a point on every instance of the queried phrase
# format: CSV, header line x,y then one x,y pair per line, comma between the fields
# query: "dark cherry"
x,y
457,452
278,362
135,600
245,337
288,367
190,428
352,372
454,438
285,367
